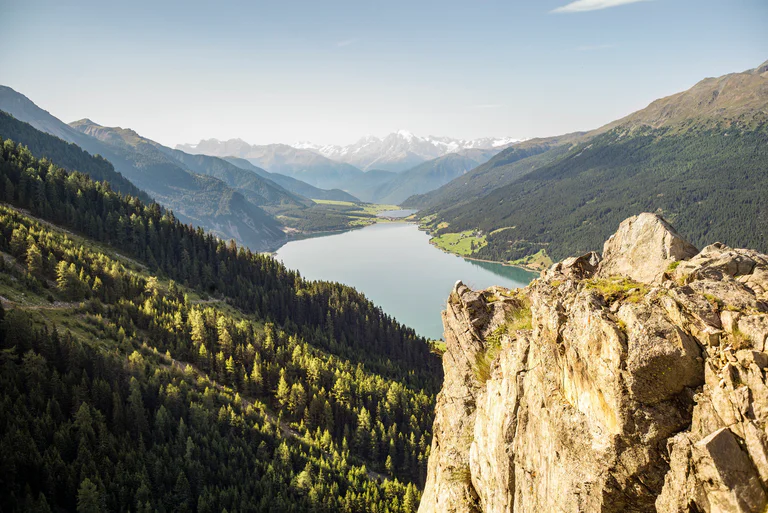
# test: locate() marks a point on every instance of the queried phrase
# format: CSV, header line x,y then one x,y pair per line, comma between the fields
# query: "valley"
x,y
263,327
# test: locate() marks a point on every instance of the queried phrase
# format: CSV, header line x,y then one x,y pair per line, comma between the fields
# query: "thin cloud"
x,y
592,5
592,48
346,42
488,106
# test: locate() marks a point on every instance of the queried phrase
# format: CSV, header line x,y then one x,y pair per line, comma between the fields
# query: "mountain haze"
x,y
328,167
429,175
300,164
292,184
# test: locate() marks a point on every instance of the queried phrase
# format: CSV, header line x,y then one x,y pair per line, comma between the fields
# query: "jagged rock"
x,y
643,249
650,399
578,268
729,480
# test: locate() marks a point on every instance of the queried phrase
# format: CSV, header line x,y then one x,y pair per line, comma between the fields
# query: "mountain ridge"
x,y
705,168
195,198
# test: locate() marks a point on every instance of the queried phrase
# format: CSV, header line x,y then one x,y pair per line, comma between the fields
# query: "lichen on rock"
x,y
636,383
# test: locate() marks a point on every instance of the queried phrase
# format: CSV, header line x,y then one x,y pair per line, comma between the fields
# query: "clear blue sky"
x,y
331,71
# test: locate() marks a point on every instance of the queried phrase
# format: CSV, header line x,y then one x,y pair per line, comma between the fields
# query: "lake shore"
x,y
529,268
533,269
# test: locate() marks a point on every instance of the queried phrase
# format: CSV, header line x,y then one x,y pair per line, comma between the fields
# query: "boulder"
x,y
643,249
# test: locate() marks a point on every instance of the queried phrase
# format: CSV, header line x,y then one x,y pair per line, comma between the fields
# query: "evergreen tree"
x,y
88,498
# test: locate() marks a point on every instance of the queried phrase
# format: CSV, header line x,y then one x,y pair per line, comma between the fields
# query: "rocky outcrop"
x,y
631,382
643,248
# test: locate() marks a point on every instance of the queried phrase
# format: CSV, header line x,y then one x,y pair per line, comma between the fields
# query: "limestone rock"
x,y
637,402
643,249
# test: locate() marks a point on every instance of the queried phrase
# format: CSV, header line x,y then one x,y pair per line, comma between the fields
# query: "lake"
x,y
397,268
396,214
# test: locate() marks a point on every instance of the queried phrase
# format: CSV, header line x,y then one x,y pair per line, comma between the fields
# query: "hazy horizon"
x,y
300,71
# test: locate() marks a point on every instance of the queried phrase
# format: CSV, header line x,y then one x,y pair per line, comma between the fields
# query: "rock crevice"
x,y
631,381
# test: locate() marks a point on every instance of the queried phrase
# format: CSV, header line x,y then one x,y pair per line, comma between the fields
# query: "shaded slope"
x,y
304,165
258,190
292,184
428,176
712,185
198,199
67,155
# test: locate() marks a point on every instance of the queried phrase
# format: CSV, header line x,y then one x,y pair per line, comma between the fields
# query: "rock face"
x,y
635,382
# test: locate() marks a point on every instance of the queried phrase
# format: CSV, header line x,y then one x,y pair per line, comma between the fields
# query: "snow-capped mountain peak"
x,y
397,151
403,149
405,134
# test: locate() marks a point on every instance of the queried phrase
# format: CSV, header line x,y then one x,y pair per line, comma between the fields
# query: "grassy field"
x,y
463,243
368,208
539,260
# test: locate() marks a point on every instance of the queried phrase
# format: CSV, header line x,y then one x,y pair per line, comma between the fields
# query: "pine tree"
x,y
34,260
283,390
88,498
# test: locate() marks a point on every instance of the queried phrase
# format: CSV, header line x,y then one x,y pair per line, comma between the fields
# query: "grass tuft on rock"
x,y
618,288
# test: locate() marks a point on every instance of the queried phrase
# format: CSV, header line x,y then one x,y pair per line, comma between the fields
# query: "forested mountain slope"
x,y
700,158
503,168
153,381
197,199
67,155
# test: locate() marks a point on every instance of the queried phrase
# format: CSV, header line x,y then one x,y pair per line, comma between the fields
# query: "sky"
x,y
332,71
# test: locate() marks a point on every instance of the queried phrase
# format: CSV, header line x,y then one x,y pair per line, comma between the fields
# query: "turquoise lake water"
x,y
397,268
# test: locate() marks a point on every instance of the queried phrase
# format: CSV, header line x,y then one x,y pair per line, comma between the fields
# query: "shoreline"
x,y
506,264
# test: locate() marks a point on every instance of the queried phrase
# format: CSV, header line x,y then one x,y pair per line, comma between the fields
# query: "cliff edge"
x,y
631,381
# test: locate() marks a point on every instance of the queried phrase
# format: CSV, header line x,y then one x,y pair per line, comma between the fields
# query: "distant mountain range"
x,y
402,150
425,163
301,164
396,152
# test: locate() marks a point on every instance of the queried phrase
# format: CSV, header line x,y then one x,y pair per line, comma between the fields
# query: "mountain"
x,y
627,381
429,175
194,198
255,188
292,184
67,155
365,185
303,165
502,169
328,167
699,157
149,366
403,150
